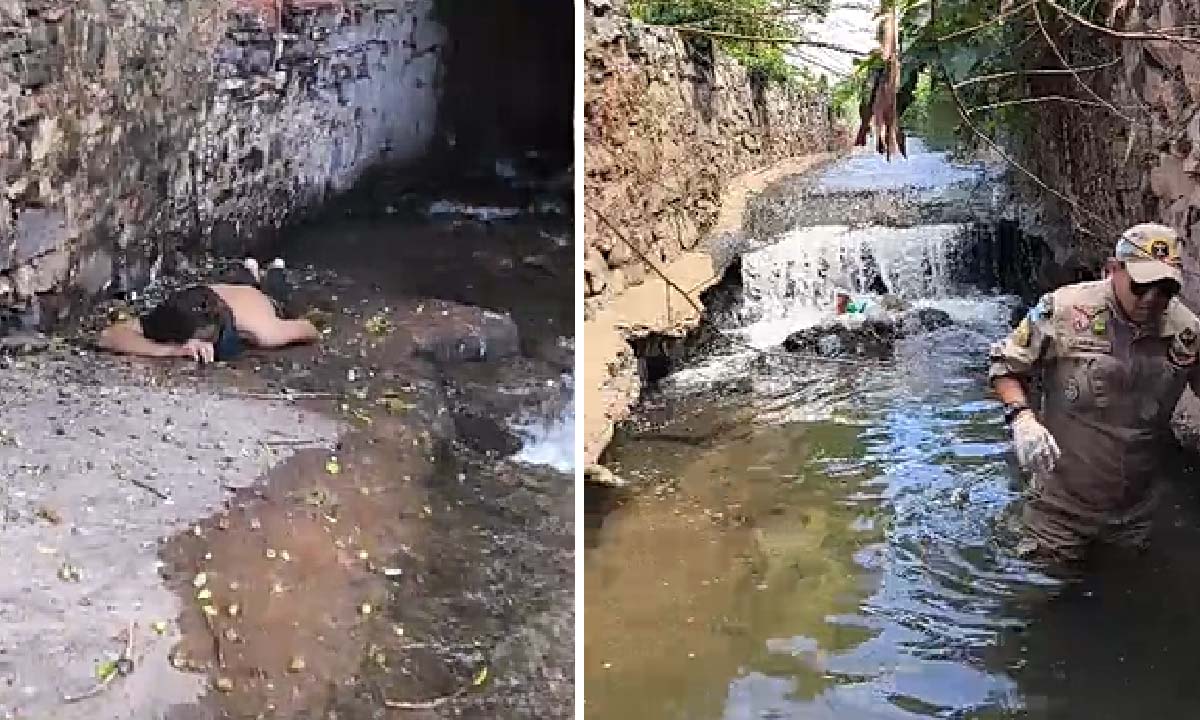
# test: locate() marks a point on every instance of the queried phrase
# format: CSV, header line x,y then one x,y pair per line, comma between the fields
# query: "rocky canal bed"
x,y
345,530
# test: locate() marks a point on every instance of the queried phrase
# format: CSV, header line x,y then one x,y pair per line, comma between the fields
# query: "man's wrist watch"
x,y
1012,410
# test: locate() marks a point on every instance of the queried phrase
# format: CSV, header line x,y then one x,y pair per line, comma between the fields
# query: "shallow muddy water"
x,y
834,540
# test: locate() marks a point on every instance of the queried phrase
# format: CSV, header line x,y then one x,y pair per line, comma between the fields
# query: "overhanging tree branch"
x,y
1040,71
964,115
1031,100
1037,14
758,39
1124,35
993,21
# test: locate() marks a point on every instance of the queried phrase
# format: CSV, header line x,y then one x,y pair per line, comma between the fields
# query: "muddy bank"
x,y
395,551
610,368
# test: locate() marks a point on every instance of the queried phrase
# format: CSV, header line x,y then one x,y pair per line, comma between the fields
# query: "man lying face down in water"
x,y
210,322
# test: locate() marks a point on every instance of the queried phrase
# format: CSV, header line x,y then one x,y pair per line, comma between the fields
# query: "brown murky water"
x,y
424,568
814,541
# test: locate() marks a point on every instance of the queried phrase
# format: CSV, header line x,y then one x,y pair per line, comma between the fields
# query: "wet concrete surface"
x,y
407,567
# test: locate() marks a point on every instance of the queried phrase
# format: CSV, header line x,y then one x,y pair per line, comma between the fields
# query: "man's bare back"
x,y
200,334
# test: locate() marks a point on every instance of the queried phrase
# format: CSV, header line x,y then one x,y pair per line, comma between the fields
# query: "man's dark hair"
x,y
178,318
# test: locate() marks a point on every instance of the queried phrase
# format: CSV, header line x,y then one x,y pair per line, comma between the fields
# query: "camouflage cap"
x,y
1151,252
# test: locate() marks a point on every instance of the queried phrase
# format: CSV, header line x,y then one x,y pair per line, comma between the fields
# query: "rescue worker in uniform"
x,y
1114,356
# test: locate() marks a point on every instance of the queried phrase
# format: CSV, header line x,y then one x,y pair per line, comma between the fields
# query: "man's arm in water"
x,y
125,337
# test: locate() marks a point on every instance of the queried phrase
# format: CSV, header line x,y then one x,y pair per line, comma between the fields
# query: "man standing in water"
x,y
1114,356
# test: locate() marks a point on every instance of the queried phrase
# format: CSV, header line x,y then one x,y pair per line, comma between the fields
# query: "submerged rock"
x,y
925,319
872,338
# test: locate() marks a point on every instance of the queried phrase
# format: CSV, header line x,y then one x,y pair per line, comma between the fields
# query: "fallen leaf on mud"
x,y
317,497
378,325
106,670
322,320
297,664
480,677
200,580
50,515
332,467
396,406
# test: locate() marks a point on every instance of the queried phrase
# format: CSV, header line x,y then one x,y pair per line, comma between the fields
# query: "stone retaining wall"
x,y
130,127
667,123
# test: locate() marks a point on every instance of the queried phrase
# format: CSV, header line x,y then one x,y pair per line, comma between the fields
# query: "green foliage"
x,y
751,18
964,42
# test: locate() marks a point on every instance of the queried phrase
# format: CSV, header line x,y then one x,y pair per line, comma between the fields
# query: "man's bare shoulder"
x,y
235,295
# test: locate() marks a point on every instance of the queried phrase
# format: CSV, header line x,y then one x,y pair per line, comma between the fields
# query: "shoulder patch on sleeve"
x,y
1021,336
1044,310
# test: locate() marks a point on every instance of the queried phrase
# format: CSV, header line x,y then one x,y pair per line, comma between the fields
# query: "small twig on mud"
x,y
424,704
288,395
218,653
124,666
150,488
295,441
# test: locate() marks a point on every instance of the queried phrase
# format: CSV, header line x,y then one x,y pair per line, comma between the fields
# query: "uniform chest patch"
x,y
1090,320
1089,345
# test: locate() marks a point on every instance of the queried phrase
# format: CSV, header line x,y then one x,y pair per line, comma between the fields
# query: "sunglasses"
x,y
1166,288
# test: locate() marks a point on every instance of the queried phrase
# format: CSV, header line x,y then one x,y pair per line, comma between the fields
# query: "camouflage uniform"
x,y
1109,391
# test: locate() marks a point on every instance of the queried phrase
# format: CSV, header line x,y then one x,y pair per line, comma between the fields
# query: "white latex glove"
x,y
1036,448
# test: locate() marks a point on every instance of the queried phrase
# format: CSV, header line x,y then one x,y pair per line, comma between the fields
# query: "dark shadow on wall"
x,y
508,81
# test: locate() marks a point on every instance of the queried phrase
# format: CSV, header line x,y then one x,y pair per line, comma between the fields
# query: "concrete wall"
x,y
132,126
667,123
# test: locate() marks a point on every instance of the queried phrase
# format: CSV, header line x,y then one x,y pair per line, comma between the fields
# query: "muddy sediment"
x,y
393,554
